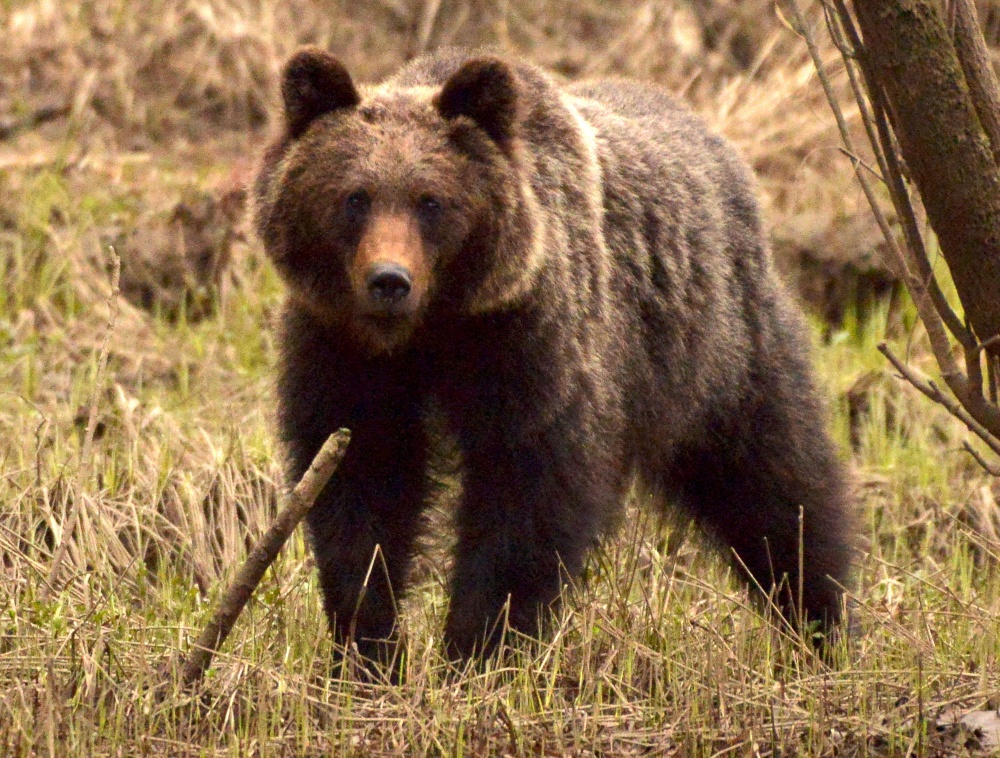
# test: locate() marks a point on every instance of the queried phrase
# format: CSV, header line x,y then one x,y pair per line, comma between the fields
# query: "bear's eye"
x,y
429,207
357,203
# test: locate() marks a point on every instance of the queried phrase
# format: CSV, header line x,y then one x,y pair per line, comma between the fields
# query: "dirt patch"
x,y
173,263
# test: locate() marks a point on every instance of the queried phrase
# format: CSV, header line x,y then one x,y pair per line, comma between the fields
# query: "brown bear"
x,y
576,277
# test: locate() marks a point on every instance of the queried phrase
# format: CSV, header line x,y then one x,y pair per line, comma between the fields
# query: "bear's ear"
x,y
313,84
485,90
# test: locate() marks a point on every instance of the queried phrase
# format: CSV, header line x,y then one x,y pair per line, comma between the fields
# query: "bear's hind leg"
x,y
771,489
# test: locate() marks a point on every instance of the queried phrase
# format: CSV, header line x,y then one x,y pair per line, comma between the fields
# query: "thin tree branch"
x,y
864,164
990,468
897,261
849,51
931,390
262,556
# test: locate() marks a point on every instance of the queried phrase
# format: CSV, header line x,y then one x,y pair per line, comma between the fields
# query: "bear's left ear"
x,y
486,91
313,84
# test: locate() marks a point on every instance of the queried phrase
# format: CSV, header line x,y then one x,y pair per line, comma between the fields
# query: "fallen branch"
x,y
263,555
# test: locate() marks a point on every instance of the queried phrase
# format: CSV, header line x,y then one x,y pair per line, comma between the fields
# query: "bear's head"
x,y
379,205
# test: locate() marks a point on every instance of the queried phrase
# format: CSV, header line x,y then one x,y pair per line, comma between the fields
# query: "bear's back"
x,y
629,99
646,125
434,69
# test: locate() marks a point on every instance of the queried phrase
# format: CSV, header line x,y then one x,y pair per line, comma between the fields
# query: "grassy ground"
x,y
658,653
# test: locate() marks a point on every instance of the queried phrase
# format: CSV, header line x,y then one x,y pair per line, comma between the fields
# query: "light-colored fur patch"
x,y
588,140
506,284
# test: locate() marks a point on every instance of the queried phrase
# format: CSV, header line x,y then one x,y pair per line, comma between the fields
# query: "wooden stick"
x,y
263,555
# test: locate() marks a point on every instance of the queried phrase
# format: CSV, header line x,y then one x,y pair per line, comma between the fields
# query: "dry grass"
x,y
151,107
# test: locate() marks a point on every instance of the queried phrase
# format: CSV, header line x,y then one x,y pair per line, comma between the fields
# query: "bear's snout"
x,y
390,273
388,285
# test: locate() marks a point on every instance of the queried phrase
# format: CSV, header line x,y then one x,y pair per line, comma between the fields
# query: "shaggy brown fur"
x,y
576,275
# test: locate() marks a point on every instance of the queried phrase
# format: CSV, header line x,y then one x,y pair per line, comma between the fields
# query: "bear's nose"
x,y
388,283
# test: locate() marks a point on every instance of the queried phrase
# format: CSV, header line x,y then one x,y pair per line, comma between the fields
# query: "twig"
x,y
931,390
898,262
850,50
991,469
83,470
263,554
864,164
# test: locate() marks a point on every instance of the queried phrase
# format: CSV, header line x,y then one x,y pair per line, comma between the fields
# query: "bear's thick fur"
x,y
576,276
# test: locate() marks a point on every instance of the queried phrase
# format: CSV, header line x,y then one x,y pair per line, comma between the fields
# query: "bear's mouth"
x,y
383,331
387,321
390,312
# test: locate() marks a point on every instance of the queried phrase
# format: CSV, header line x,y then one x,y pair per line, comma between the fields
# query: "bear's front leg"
x,y
529,513
364,524
363,531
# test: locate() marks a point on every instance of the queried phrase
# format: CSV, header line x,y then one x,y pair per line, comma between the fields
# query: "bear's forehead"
x,y
411,106
397,128
392,141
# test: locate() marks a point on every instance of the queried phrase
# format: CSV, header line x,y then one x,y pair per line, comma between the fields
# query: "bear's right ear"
x,y
313,84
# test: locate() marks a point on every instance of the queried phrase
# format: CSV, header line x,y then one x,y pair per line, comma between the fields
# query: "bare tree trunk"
x,y
910,52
